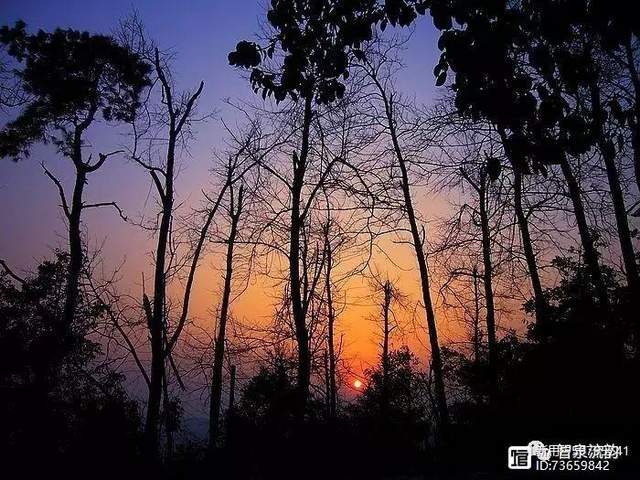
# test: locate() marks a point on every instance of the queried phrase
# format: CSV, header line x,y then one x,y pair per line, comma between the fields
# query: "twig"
x,y
11,272
63,198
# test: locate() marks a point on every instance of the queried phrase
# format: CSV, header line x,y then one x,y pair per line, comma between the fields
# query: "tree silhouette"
x,y
393,411
376,64
70,78
58,397
531,65
235,210
177,116
314,39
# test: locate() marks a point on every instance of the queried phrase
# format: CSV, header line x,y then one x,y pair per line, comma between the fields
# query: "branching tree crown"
x,y
69,77
521,65
315,39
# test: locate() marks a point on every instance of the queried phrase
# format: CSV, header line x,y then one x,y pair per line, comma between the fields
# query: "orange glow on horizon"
x,y
356,328
355,324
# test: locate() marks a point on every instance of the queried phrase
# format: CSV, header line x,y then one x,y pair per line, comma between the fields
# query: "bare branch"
x,y
63,198
11,272
102,158
107,204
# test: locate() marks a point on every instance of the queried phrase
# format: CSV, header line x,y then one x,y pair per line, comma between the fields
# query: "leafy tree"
x,y
573,299
268,396
533,70
406,386
563,383
57,399
262,422
392,415
70,78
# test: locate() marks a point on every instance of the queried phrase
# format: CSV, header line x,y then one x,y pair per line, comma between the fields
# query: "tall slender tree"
x,y
177,115
329,252
390,122
314,40
235,210
480,185
71,79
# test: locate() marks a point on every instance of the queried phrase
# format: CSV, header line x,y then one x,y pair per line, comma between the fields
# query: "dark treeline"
x,y
534,142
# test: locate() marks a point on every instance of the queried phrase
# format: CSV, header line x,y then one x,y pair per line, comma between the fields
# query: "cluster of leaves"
x,y
313,39
55,397
406,391
269,396
573,301
391,419
521,65
69,76
561,378
32,328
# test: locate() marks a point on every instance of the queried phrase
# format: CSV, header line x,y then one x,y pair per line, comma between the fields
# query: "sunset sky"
x,y
290,239
201,34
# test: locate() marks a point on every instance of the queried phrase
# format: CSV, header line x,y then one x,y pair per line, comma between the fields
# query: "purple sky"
x,y
201,33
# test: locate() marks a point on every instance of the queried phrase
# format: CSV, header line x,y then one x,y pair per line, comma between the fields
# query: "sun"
x,y
357,384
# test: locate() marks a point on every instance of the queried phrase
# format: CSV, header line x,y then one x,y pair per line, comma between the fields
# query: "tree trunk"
x,y
387,289
216,377
168,421
156,324
635,125
530,257
476,316
74,267
331,360
327,385
299,314
436,361
488,277
589,250
607,150
527,245
232,389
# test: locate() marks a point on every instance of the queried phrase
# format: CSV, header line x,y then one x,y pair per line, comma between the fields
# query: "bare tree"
x,y
235,210
480,185
331,319
387,294
174,116
376,65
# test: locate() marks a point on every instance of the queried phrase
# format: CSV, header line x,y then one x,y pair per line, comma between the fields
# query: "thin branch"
x,y
107,204
11,273
103,157
63,198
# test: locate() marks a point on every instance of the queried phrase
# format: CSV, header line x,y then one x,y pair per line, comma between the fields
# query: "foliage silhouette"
x,y
69,77
559,386
315,39
57,399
